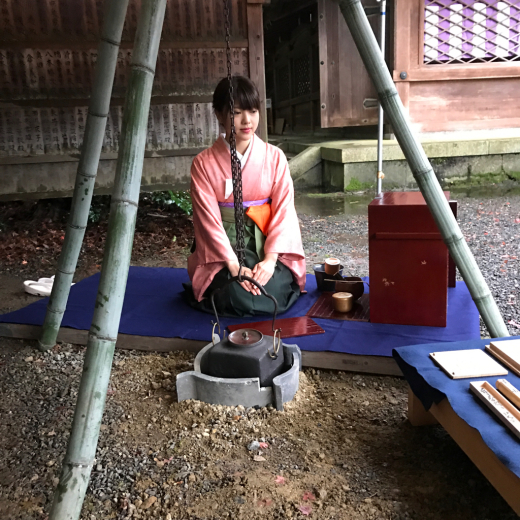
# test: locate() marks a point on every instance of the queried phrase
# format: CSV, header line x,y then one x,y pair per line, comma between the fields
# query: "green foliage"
x,y
181,199
99,208
356,185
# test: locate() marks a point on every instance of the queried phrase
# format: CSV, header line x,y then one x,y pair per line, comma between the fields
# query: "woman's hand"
x,y
263,271
234,268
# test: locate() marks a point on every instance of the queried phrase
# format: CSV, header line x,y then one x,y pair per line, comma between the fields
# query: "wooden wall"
x,y
455,96
296,85
345,86
48,52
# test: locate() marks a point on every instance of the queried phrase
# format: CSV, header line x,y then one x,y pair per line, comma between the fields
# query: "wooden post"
x,y
402,48
255,36
81,449
417,414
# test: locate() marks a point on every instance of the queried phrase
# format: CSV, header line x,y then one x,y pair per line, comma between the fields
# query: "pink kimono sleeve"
x,y
212,246
283,233
212,243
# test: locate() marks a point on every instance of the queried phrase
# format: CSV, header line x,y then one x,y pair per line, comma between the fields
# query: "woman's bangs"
x,y
246,99
245,93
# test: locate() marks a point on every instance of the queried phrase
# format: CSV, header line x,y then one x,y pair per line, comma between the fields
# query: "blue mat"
x,y
431,385
154,306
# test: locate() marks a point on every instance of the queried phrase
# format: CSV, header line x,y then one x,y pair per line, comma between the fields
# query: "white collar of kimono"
x,y
241,158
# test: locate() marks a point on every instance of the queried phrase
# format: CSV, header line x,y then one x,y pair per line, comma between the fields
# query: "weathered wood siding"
x,y
457,95
345,85
47,62
48,53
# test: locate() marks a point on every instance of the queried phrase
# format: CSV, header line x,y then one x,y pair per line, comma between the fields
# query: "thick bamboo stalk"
x,y
81,449
422,170
115,14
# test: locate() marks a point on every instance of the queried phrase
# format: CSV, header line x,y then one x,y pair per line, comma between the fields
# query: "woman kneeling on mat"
x,y
274,254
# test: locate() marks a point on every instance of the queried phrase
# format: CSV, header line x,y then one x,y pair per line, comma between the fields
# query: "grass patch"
x,y
480,179
356,185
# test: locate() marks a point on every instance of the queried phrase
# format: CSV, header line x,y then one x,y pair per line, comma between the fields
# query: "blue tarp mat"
x,y
154,306
430,384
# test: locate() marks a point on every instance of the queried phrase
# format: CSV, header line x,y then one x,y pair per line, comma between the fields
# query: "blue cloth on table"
x,y
154,306
431,385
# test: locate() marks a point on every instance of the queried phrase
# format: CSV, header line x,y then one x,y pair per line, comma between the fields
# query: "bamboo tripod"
x,y
87,169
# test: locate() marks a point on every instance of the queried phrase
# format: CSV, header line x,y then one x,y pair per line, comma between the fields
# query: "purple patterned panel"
x,y
467,31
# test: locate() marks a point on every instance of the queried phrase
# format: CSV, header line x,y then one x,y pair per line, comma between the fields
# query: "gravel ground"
x,y
342,449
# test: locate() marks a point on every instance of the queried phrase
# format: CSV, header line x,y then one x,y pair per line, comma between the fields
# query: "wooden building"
x,y
315,77
456,64
48,52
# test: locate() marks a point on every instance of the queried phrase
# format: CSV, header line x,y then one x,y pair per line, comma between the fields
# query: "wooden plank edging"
x,y
323,360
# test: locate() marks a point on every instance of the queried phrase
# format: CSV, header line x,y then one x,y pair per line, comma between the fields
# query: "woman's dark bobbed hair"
x,y
245,95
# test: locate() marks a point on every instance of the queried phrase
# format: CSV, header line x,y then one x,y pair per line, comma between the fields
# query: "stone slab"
x,y
398,175
52,180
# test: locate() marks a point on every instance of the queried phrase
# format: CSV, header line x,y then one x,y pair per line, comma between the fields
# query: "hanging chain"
x,y
236,167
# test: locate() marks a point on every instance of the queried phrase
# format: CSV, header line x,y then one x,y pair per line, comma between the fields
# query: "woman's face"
x,y
246,123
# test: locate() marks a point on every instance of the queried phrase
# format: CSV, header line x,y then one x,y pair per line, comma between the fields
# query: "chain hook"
x,y
236,168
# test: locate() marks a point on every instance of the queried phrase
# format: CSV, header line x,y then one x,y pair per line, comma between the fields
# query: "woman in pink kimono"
x,y
274,254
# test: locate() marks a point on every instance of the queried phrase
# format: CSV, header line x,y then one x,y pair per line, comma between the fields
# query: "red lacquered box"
x,y
408,262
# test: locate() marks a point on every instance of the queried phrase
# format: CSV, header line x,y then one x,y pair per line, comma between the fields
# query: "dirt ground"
x,y
343,449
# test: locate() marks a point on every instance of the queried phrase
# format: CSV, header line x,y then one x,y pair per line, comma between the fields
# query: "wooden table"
x,y
471,443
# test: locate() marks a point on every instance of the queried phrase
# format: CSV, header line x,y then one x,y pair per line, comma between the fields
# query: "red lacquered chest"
x,y
408,262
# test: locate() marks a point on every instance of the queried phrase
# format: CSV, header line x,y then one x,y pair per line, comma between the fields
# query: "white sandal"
x,y
37,289
42,287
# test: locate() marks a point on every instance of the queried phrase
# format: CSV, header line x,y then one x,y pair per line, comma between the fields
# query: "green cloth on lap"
x,y
254,239
233,300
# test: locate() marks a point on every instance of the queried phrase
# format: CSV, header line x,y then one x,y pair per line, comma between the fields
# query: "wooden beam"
x,y
124,341
323,60
314,96
403,40
350,362
323,360
108,156
467,71
60,102
255,34
89,45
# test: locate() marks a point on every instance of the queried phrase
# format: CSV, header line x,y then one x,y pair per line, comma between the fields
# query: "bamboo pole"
x,y
81,449
108,49
422,170
380,112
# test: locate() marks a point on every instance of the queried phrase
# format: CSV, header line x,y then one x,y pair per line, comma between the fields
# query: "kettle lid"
x,y
245,337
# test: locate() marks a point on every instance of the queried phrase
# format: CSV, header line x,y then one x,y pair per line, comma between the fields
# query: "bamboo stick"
x,y
81,449
422,170
108,49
